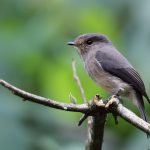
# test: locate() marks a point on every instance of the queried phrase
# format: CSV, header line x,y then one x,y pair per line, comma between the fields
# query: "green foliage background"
x,y
34,56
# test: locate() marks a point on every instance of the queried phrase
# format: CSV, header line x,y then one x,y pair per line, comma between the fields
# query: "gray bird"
x,y
110,69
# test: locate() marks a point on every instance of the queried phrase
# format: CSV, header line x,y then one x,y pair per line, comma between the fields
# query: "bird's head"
x,y
88,42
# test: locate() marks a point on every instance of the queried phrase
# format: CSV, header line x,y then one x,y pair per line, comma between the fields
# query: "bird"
x,y
110,69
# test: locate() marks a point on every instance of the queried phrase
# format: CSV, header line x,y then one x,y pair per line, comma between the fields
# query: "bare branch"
x,y
130,117
119,109
44,101
75,75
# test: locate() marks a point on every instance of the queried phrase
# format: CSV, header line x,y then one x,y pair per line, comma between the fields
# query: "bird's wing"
x,y
122,69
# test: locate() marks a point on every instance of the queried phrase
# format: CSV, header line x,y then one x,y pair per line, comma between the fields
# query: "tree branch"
x,y
130,117
44,101
75,75
97,106
96,126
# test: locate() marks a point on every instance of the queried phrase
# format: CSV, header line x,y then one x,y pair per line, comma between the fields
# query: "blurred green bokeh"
x,y
34,56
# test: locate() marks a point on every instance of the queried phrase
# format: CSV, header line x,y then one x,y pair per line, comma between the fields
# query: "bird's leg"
x,y
116,94
111,100
109,103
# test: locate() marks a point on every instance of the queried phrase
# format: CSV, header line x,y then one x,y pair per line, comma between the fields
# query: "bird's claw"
x,y
111,100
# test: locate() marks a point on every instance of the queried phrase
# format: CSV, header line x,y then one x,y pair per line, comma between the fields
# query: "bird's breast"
x,y
104,79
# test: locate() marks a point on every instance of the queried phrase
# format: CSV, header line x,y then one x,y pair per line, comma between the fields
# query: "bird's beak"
x,y
71,43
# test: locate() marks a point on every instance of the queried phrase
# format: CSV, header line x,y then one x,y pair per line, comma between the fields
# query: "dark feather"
x,y
120,67
141,107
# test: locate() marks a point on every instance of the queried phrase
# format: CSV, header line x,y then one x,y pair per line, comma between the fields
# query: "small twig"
x,y
83,117
72,99
75,75
115,118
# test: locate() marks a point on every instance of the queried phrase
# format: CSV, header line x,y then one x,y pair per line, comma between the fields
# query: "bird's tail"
x,y
146,96
140,104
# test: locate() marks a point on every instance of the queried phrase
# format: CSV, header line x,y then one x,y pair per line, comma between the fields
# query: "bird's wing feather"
x,y
122,69
140,105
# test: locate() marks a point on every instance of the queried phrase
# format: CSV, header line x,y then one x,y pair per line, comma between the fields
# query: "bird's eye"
x,y
89,42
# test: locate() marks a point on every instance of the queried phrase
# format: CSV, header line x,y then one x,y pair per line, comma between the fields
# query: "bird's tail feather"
x,y
146,96
140,104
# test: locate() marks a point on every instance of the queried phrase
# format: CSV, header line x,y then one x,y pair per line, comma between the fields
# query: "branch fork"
x,y
96,111
98,106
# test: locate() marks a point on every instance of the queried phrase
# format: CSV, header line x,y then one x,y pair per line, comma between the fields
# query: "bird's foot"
x,y
111,100
114,99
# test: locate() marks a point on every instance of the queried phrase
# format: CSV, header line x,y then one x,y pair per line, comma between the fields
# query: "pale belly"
x,y
110,83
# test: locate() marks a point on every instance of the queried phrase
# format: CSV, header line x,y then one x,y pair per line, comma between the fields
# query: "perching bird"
x,y
110,69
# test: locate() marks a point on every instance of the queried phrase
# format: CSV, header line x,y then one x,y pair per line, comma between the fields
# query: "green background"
x,y
34,57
